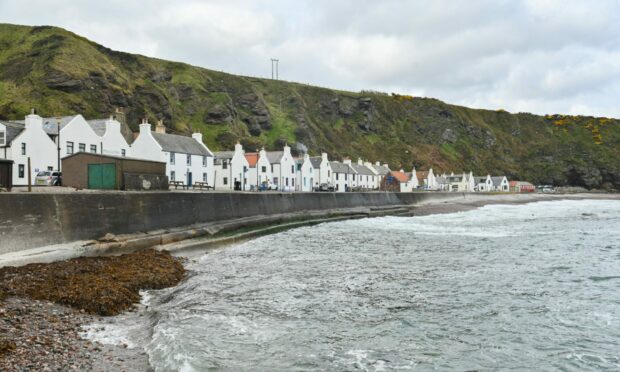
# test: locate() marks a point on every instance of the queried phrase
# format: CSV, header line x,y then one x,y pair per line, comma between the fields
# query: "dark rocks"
x,y
55,79
448,135
218,114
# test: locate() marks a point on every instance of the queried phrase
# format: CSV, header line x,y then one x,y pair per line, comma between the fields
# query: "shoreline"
x,y
43,334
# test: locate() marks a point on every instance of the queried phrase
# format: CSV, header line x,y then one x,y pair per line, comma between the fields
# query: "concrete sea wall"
x,y
37,220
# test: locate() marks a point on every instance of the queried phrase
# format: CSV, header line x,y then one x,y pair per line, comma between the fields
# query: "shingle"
x,y
275,157
12,131
362,169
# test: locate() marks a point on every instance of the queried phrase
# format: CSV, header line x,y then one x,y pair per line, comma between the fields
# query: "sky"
x,y
540,56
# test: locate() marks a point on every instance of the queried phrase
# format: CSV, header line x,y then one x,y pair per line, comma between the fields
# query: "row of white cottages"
x,y
45,141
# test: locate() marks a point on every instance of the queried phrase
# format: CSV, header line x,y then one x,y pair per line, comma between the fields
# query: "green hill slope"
x,y
61,73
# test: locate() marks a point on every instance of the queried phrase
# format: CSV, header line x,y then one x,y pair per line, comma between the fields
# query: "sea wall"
x,y
37,220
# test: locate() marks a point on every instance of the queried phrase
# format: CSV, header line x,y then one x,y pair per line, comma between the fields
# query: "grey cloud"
x,y
532,55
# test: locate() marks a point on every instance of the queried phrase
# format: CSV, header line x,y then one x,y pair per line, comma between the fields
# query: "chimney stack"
x,y
197,137
160,128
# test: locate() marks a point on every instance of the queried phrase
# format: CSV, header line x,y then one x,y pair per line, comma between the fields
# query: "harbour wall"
x,y
37,220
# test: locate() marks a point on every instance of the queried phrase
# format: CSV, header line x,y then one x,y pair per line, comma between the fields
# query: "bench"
x,y
202,185
176,184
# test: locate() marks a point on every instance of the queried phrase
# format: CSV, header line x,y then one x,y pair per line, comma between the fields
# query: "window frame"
x,y
172,158
70,146
81,147
23,148
189,160
173,176
2,137
21,171
93,147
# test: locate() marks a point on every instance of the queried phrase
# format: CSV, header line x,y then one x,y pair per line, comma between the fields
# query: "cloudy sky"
x,y
542,56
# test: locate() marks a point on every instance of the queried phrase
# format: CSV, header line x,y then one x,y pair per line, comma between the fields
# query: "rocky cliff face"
x,y
62,73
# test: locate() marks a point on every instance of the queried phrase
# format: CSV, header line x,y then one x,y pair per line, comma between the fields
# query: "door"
x,y
189,178
102,176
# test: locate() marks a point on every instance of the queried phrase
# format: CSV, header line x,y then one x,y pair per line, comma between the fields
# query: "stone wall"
x,y
36,220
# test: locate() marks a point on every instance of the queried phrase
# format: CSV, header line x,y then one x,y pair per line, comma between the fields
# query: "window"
x,y
123,152
328,174
20,171
263,169
93,149
23,148
172,158
69,147
304,181
82,147
225,180
189,159
275,180
271,168
2,137
204,161
204,177
298,167
336,176
292,169
172,175
293,182
51,169
286,181
224,164
346,176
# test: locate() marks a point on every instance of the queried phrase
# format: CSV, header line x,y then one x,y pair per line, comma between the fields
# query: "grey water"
x,y
533,286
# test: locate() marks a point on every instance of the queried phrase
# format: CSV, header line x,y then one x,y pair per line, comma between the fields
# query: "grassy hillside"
x,y
61,73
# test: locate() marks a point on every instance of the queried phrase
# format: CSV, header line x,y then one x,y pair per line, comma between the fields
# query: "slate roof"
x,y
98,126
338,167
362,169
316,161
479,179
221,155
12,131
381,169
275,157
180,144
441,180
497,181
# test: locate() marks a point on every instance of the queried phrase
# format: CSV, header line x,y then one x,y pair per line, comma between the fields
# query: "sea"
x,y
520,287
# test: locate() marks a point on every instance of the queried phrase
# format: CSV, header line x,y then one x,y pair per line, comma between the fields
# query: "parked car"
x,y
324,187
48,178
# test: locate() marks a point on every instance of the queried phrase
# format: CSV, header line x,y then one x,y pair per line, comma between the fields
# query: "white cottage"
x,y
232,169
342,175
483,184
364,177
20,142
74,134
322,170
187,158
413,179
500,184
305,174
259,174
112,140
282,168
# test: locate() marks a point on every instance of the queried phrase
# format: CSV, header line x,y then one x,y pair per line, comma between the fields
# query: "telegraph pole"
x,y
274,69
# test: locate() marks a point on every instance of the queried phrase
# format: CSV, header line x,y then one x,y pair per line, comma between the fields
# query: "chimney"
x,y
378,164
160,128
34,121
386,165
145,127
324,156
238,148
360,161
306,157
112,125
346,161
197,137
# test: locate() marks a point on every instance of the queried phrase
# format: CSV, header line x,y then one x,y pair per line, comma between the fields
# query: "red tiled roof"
x,y
400,176
252,158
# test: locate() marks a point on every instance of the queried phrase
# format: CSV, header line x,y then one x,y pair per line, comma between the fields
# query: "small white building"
x,y
20,142
74,133
500,184
413,179
382,172
232,170
259,174
460,183
364,177
342,175
322,170
305,174
483,184
377,177
112,140
282,168
187,158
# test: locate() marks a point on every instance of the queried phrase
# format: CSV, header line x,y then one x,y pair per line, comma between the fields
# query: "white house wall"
x,y
113,141
78,131
40,149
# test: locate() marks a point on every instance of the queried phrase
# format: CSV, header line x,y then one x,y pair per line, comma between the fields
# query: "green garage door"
x,y
102,176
